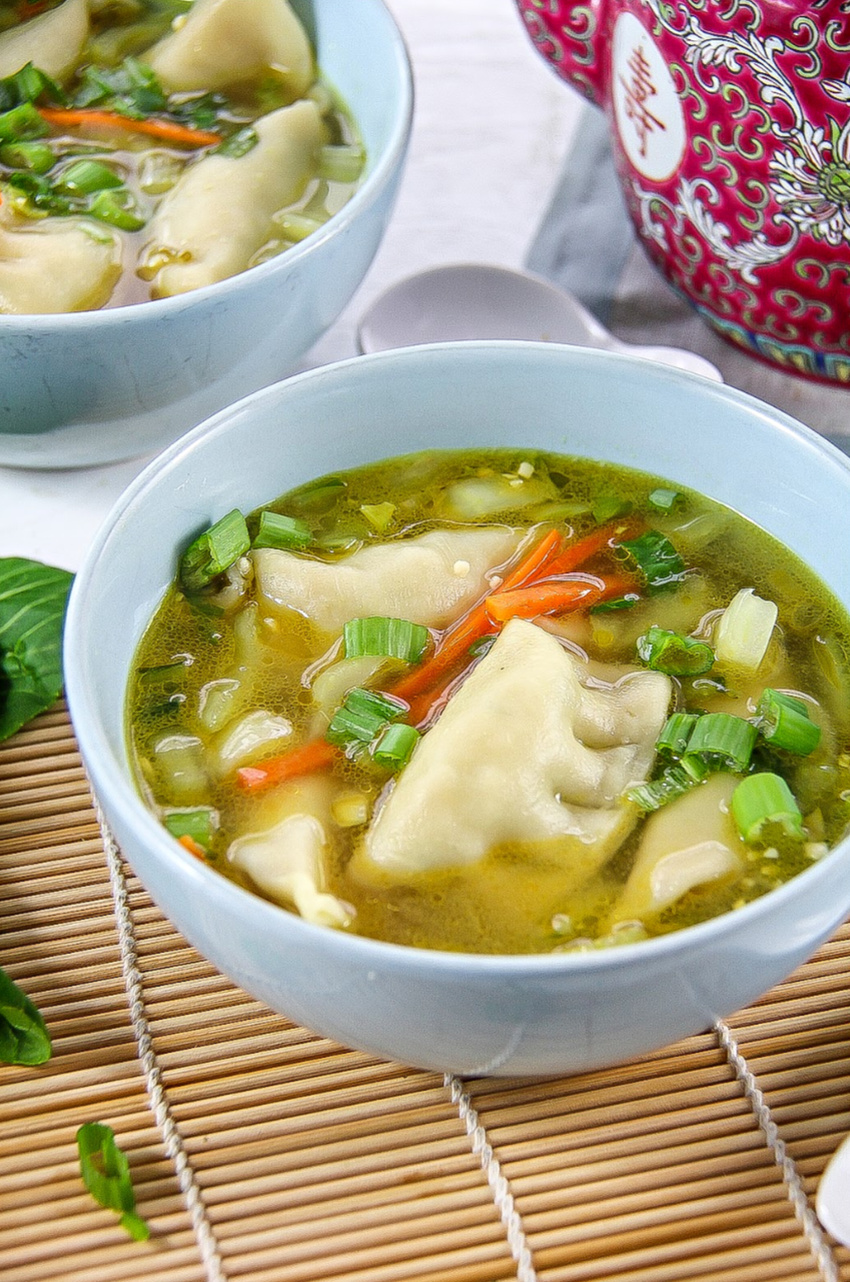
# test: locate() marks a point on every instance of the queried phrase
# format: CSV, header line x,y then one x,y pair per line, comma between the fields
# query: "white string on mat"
x,y
499,1187
820,1248
157,1097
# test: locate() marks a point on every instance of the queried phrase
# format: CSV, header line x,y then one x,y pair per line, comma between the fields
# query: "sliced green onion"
x,y
480,647
663,499
238,144
394,746
35,156
764,801
398,638
26,85
673,653
675,734
672,783
106,1175
361,717
342,163
278,531
654,556
607,506
84,177
319,495
618,603
214,551
24,1038
785,723
297,227
720,736
22,123
165,676
117,208
378,515
198,822
743,631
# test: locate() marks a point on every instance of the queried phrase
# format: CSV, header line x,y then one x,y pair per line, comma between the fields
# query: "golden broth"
x,y
520,897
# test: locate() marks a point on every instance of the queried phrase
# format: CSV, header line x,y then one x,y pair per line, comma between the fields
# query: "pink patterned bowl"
x,y
730,126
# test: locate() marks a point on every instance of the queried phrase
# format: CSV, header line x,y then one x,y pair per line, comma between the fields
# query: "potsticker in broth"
x,y
151,147
500,701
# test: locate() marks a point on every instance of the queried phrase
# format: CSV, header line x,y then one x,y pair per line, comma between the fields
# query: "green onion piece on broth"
x,y
784,722
363,715
393,748
214,551
278,531
673,653
85,177
199,823
723,737
396,638
763,803
675,734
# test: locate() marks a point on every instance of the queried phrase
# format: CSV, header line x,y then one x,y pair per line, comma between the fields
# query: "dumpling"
x,y
287,859
58,265
428,579
669,862
524,752
53,41
224,42
219,212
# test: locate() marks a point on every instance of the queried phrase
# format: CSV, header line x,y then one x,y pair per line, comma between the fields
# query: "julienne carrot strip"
x,y
545,596
599,540
557,596
313,755
476,623
193,847
167,130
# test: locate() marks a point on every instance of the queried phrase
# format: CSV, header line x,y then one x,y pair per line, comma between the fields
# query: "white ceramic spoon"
x,y
471,300
833,1200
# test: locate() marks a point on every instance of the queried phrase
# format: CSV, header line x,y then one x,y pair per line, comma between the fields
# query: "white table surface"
x,y
492,125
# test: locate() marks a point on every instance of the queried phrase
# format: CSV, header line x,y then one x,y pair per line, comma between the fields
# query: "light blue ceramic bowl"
x,y
96,387
470,1014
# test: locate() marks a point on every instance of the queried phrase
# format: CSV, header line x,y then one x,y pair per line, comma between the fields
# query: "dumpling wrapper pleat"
x,y
524,752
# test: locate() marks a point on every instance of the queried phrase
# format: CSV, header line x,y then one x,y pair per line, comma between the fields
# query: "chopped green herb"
x,y
106,1175
673,653
656,559
198,822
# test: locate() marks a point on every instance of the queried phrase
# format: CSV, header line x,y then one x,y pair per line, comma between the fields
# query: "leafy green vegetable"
x,y
24,1038
33,597
106,1175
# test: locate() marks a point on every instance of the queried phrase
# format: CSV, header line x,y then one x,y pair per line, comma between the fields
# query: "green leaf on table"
x,y
106,1175
24,1038
33,598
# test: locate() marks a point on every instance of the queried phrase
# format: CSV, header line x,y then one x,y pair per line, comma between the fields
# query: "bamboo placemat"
x,y
261,1152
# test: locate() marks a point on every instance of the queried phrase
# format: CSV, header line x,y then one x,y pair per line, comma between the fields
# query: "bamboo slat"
x,y
262,1152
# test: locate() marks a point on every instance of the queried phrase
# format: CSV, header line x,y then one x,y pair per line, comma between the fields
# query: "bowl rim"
x,y
103,767
157,309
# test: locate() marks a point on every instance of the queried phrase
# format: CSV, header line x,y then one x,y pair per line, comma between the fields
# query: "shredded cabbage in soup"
x,y
500,701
